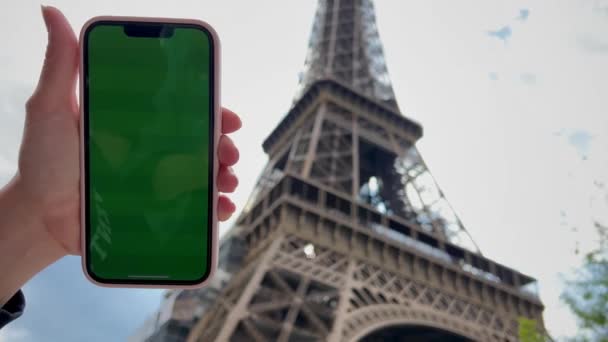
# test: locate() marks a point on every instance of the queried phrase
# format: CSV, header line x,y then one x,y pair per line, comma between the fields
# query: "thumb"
x,y
57,84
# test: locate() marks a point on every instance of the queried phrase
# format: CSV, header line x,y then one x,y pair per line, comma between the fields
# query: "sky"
x,y
512,97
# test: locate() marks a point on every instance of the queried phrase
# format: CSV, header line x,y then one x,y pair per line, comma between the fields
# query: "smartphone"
x,y
150,120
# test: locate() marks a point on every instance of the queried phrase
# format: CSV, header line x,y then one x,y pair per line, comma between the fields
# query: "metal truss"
x,y
347,232
300,290
346,149
345,46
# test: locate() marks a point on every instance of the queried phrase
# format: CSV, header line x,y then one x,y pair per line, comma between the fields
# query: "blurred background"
x,y
512,97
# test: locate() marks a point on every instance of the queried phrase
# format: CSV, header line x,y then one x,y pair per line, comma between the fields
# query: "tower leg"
x,y
239,311
345,291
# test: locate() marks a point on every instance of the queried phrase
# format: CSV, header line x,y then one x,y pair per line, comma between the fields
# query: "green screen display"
x,y
148,143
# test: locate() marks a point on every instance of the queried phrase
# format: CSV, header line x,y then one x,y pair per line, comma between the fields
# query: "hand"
x,y
43,198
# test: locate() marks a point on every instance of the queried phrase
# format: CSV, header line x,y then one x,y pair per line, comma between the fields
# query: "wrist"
x,y
25,245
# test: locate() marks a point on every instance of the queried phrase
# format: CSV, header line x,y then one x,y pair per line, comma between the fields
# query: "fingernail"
x,y
43,10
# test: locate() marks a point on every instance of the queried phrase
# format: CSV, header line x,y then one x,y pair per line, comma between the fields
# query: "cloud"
x,y
60,296
592,44
524,13
503,34
528,78
14,334
601,7
12,113
7,167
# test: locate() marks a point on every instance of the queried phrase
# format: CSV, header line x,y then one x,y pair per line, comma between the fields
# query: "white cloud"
x,y
13,334
528,78
12,99
490,144
489,141
7,167
593,44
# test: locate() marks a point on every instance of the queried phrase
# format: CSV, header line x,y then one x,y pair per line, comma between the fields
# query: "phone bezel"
x,y
215,123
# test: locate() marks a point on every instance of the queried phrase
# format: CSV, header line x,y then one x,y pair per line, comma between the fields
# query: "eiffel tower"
x,y
347,236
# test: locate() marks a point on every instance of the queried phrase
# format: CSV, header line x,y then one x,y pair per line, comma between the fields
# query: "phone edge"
x,y
217,108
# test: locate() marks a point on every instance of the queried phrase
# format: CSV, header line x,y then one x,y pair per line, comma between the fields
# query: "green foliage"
x,y
587,292
529,332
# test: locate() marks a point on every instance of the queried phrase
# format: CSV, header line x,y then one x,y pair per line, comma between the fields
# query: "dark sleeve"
x,y
12,309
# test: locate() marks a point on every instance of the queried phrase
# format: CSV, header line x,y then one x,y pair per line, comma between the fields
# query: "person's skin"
x,y
40,207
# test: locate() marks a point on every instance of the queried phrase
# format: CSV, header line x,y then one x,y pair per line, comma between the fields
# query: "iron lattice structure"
x,y
347,235
345,46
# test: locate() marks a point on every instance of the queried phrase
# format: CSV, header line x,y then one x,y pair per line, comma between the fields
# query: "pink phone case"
x,y
217,131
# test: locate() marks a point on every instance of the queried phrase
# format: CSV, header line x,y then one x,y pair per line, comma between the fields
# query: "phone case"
x,y
217,132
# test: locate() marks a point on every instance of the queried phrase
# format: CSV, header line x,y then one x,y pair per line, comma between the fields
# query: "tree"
x,y
586,295
529,332
587,292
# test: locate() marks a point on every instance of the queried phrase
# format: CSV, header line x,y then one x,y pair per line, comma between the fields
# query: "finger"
x,y
64,226
228,154
56,87
230,121
226,179
225,208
